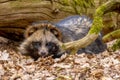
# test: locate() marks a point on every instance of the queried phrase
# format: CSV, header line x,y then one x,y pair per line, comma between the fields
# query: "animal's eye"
x,y
36,44
51,45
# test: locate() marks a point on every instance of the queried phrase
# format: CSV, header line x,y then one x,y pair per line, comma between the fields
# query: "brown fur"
x,y
31,29
42,34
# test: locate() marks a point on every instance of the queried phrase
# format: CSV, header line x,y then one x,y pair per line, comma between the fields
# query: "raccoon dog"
x,y
42,40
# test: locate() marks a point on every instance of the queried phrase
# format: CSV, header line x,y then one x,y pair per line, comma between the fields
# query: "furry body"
x,y
39,35
76,27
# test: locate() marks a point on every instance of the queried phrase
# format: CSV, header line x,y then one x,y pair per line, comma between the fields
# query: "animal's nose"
x,y
43,53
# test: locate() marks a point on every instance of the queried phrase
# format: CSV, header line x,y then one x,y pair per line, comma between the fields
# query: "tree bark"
x,y
16,15
112,35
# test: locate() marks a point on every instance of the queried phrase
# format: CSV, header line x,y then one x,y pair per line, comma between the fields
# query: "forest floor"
x,y
14,66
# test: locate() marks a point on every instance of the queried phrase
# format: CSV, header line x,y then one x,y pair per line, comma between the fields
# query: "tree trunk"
x,y
16,15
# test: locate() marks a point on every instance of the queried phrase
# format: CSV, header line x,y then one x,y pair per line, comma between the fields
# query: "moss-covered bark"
x,y
111,36
116,45
97,25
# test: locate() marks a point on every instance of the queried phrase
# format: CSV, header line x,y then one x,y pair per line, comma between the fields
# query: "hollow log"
x,y
15,15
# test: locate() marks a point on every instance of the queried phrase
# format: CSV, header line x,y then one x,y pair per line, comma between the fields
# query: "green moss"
x,y
65,2
20,3
100,11
97,22
96,26
112,35
63,47
116,45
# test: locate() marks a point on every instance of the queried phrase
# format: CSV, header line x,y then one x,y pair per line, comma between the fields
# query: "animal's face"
x,y
41,43
41,49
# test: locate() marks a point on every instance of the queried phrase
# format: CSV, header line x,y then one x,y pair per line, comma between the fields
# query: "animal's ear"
x,y
29,31
56,32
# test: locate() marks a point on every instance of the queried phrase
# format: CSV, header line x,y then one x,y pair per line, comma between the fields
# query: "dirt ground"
x,y
14,66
